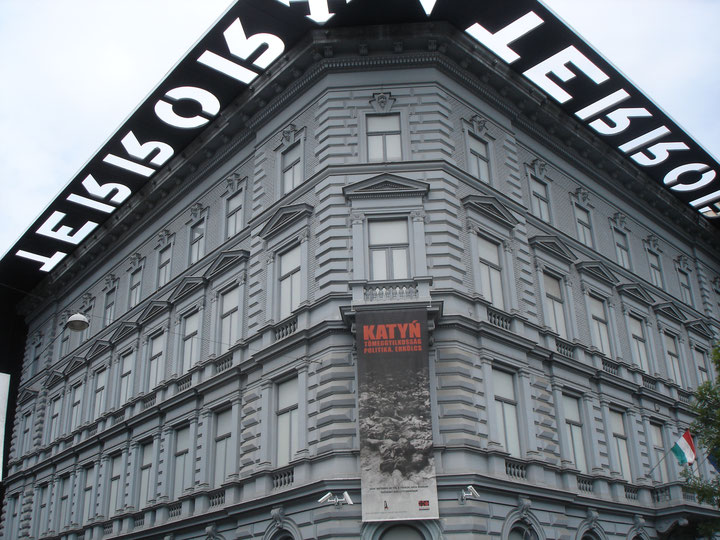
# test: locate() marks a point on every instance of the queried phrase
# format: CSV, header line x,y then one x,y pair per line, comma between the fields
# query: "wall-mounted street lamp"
x,y
468,493
77,322
334,499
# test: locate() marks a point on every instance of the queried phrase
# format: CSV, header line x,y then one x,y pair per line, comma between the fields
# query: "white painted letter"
x,y
621,120
499,41
660,152
602,104
671,178
65,233
48,262
208,103
556,65
103,191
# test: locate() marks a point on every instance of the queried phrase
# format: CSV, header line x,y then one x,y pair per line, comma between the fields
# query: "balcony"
x,y
389,292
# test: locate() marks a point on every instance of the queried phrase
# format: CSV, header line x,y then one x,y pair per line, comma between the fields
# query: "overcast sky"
x,y
71,71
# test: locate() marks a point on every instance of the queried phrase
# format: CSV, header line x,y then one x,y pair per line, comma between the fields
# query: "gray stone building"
x,y
571,303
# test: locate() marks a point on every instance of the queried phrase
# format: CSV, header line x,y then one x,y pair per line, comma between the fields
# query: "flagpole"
x,y
659,462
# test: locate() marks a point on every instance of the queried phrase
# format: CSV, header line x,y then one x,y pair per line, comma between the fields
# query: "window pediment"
x,y
153,310
637,292
553,246
385,186
597,270
97,348
225,261
74,365
492,208
700,327
123,331
284,217
187,286
28,395
670,311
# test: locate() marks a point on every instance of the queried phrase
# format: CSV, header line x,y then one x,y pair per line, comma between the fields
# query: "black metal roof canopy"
x,y
253,33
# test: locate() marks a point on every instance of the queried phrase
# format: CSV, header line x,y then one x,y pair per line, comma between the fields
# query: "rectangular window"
x,y
478,162
573,426
109,312
673,358
701,363
62,517
164,265
229,318
223,429
233,214
638,343
126,369
100,385
582,226
146,461
292,174
182,462
685,290
42,520
197,241
76,409
554,314
55,408
655,269
599,325
25,441
620,439
539,201
135,288
490,268
64,343
506,411
289,281
287,421
383,137
389,250
85,335
191,340
13,517
659,448
115,485
88,501
156,362
622,249
34,360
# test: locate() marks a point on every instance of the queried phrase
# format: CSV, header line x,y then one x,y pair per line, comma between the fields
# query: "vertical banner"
x,y
397,468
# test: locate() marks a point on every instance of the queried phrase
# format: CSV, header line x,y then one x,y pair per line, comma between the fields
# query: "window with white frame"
x,y
109,311
539,200
700,359
100,393
127,362
383,137
146,461
233,214
389,249
583,226
55,409
479,159
656,277
286,421
42,511
182,463
490,266
197,241
76,415
156,362
621,444
659,449
229,318
223,430
115,485
622,248
190,340
164,257
292,167
88,501
574,430
506,411
289,281
599,325
554,314
673,358
134,296
685,290
639,343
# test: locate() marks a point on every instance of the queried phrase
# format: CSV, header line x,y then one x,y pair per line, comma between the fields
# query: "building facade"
x,y
571,302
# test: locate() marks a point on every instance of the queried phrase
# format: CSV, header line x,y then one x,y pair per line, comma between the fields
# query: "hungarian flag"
x,y
684,449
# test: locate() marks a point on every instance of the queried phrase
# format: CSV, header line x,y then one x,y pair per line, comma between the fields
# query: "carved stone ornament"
x,y
278,516
110,281
539,168
135,260
619,220
653,242
683,263
196,210
358,218
523,508
583,196
479,125
87,301
382,102
164,237
234,181
592,518
211,533
289,134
